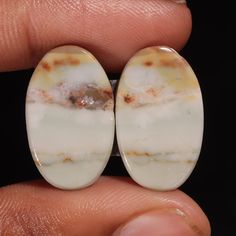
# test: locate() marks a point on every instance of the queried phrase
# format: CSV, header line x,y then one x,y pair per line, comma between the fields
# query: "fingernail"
x,y
179,1
157,223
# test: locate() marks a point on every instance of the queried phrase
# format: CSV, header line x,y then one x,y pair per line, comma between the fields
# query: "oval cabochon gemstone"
x,y
70,117
159,118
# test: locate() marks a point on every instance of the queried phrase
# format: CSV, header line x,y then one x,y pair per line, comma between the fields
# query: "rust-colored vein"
x,y
67,159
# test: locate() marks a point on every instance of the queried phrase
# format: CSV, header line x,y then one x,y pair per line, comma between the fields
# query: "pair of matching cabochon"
x,y
70,118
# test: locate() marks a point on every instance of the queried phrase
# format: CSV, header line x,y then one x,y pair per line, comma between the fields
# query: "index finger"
x,y
111,30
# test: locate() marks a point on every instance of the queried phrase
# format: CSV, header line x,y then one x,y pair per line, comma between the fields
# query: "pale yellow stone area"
x,y
173,72
49,71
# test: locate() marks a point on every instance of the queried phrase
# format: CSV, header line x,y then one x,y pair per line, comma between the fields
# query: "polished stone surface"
x,y
159,118
70,118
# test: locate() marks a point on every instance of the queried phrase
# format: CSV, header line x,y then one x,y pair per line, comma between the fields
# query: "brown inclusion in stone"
x,y
128,98
90,97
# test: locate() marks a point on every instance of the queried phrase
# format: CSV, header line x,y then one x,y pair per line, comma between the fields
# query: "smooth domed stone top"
x,y
159,118
70,118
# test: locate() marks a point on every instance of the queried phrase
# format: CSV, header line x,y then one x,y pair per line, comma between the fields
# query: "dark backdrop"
x,y
211,52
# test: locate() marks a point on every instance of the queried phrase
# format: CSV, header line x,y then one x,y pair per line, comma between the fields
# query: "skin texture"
x,y
35,208
30,28
113,31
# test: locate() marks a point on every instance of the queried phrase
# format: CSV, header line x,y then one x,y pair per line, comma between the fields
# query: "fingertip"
x,y
179,30
165,23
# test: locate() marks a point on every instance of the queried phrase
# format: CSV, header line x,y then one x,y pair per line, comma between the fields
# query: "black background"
x,y
211,52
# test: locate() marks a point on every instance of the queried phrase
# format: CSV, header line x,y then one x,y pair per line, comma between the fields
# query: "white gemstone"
x,y
70,118
159,118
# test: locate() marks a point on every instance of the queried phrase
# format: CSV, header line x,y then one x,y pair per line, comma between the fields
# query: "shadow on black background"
x,y
211,52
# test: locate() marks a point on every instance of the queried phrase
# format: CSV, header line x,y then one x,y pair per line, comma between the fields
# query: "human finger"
x,y
112,30
111,206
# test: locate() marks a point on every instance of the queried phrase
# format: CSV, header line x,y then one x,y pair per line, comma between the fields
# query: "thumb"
x,y
112,206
